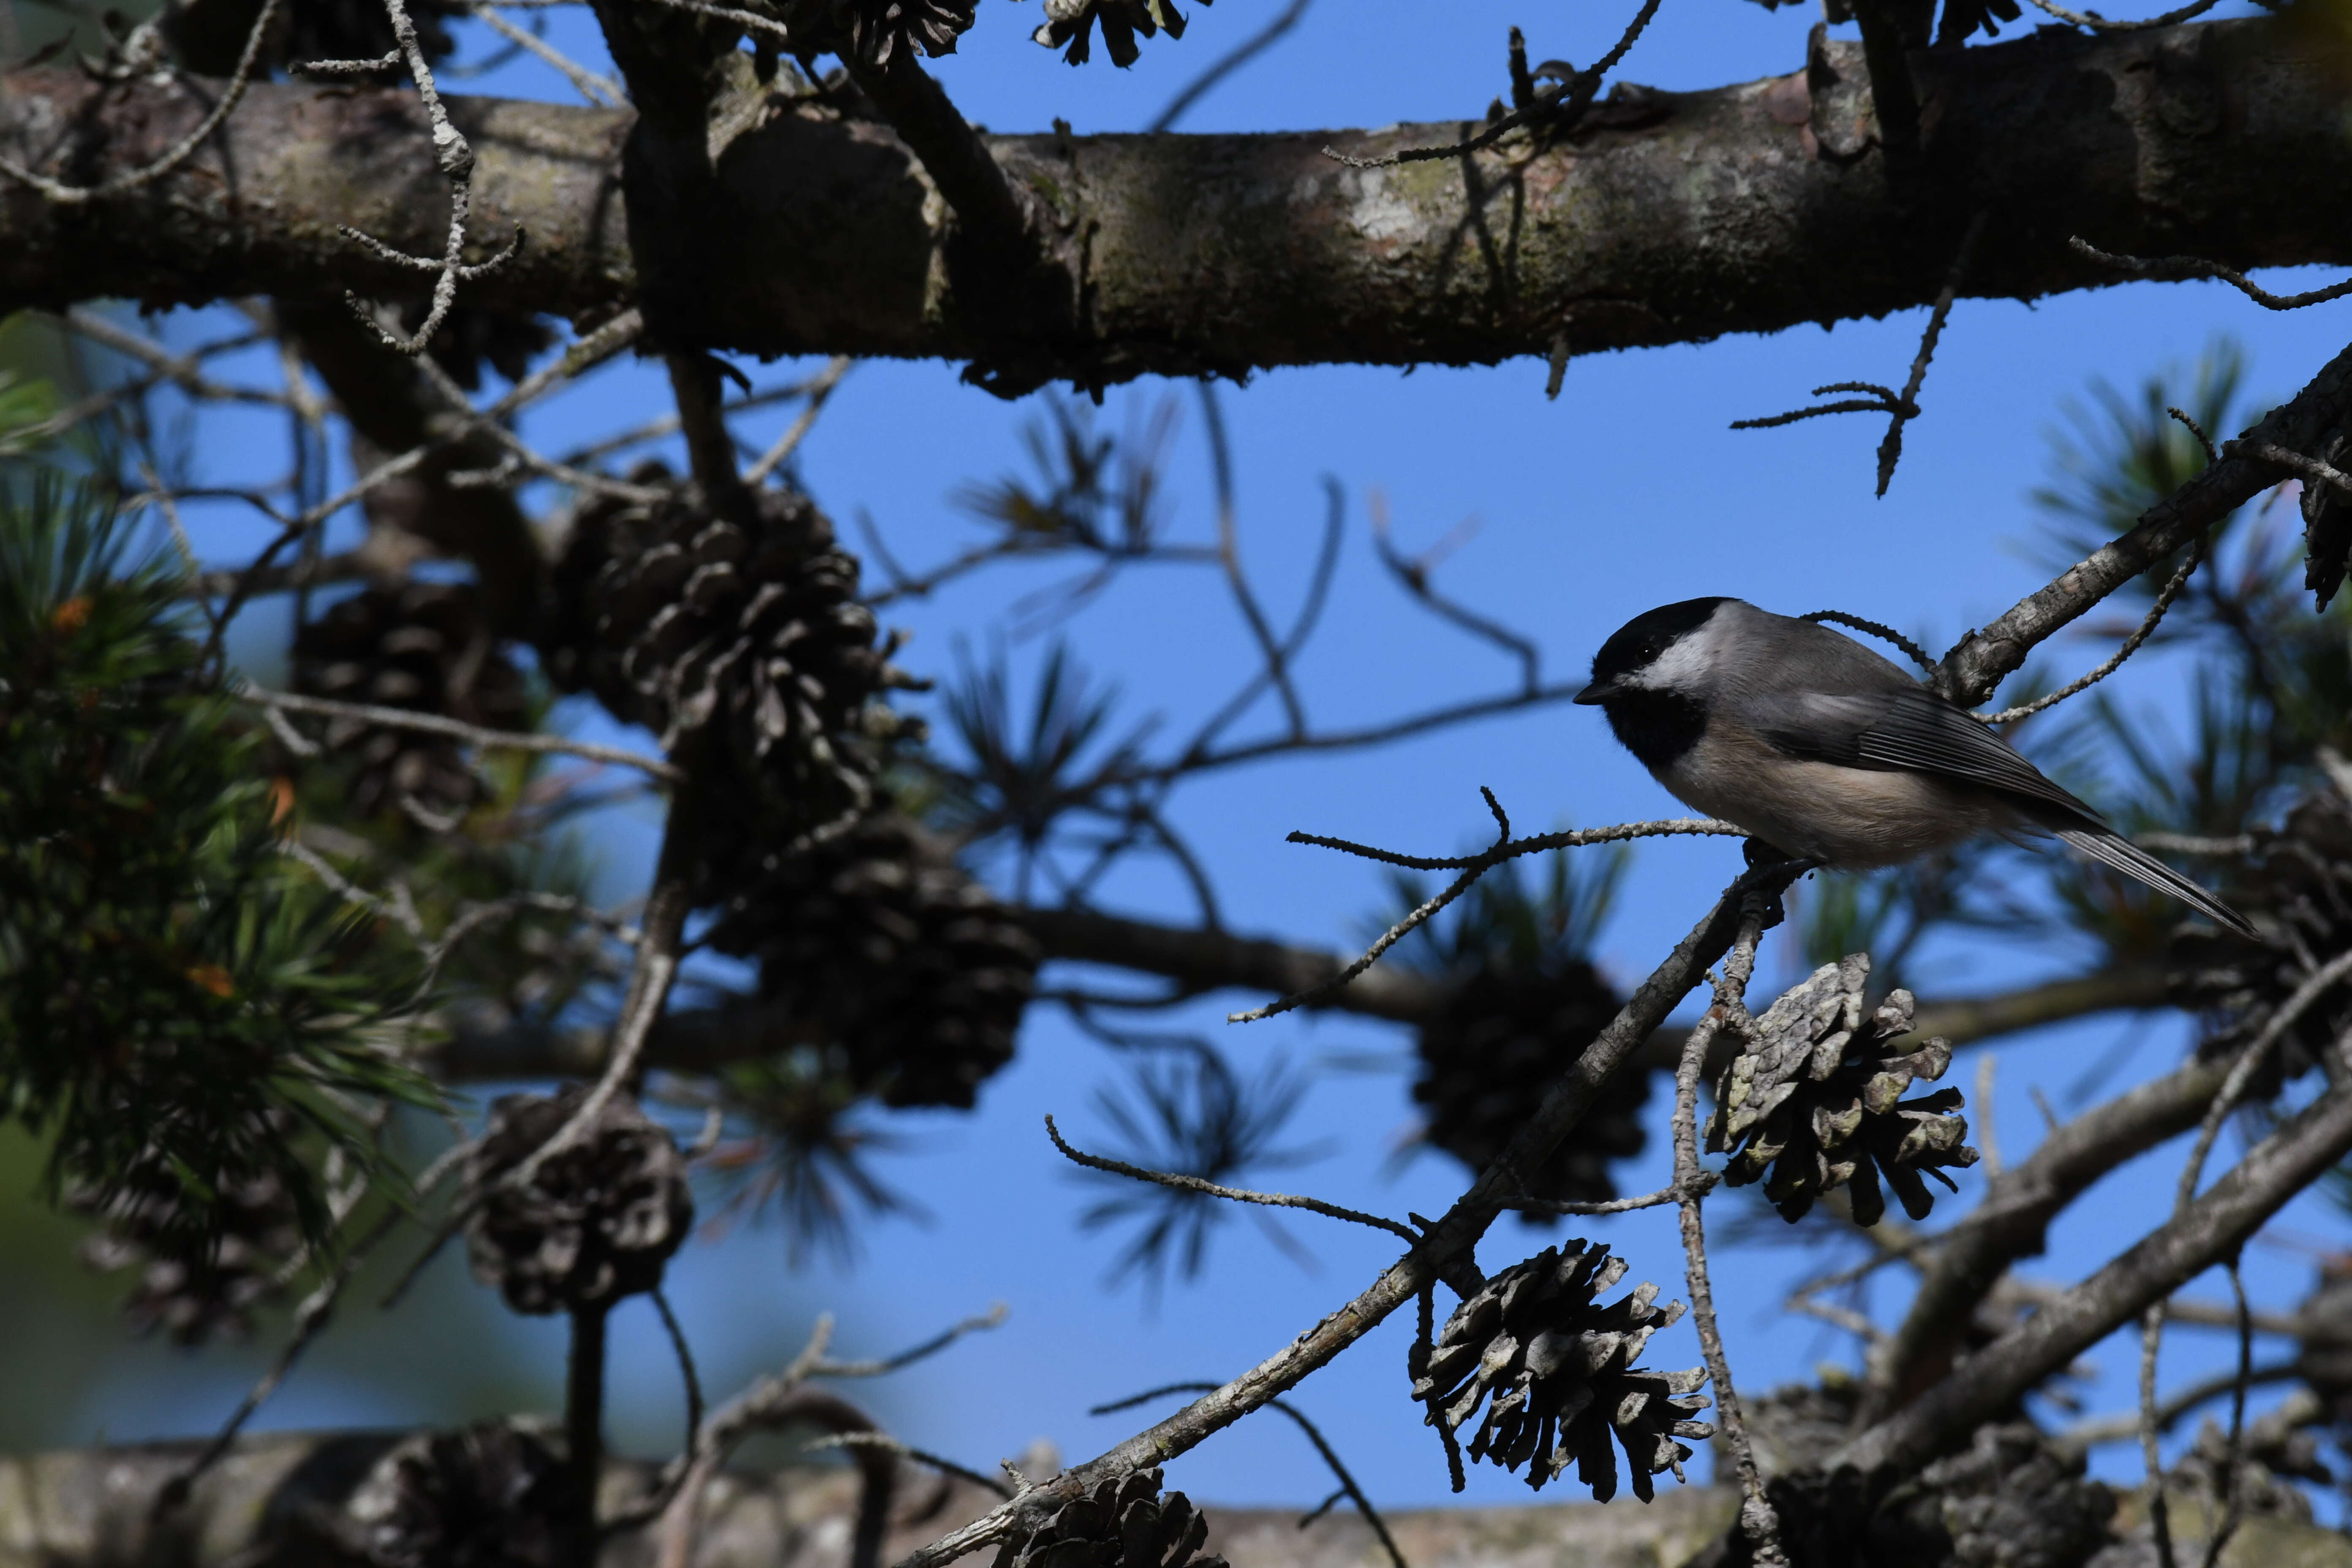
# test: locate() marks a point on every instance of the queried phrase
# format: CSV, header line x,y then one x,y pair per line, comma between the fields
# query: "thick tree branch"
x,y
1973,667
2013,1220
1744,208
2210,1229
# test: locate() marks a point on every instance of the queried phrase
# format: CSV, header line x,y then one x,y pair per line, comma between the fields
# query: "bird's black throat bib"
x,y
1657,727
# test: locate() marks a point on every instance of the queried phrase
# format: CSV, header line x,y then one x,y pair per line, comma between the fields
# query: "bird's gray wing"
x,y
1916,730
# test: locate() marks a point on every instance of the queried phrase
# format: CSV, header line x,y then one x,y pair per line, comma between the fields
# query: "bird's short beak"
x,y
1599,692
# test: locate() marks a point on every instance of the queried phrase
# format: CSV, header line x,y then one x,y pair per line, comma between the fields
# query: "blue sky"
x,y
1627,491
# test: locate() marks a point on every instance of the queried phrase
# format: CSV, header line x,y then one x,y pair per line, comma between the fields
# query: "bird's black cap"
x,y
1643,639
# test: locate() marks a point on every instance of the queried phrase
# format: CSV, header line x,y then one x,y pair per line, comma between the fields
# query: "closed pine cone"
x,y
425,647
916,970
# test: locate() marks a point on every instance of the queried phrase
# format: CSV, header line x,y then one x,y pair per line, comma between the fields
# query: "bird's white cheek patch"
x,y
1688,665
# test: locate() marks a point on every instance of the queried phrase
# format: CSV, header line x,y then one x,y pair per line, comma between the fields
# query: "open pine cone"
x,y
686,622
1069,26
1813,1099
600,1219
193,1285
1559,1367
879,29
914,968
1123,1523
423,646
2010,1499
487,1496
2297,886
1500,1040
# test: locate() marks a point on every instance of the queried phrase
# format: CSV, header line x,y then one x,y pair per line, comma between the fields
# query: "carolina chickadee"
x,y
1814,743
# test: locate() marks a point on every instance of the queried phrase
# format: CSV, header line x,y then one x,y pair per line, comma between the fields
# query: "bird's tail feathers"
x,y
2112,850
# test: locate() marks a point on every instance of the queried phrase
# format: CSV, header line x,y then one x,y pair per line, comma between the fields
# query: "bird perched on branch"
x,y
1820,747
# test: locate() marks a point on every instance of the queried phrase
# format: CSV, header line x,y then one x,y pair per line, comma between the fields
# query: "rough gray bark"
x,y
2211,1229
1669,217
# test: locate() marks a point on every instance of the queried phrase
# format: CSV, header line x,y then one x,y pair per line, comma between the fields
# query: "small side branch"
x,y
1758,1518
1900,407
1237,1194
2131,645
1560,107
2179,268
1347,1487
179,152
457,729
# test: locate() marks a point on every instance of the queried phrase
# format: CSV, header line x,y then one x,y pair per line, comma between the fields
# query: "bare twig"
x,y
600,91
1758,1518
1229,557
456,158
1900,407
1240,54
1886,634
1413,575
457,729
1347,1487
889,1444
2147,628
1567,838
685,1354
2311,468
2187,267
1563,105
1395,934
2103,1429
819,388
2232,1494
2159,1510
1210,1189
179,151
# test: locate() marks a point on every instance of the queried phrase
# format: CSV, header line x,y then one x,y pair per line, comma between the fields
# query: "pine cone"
x,y
193,1284
1069,26
1501,1039
917,971
2297,886
1813,1098
2266,1469
680,620
1121,1524
1560,1369
599,1220
425,647
881,28
487,1496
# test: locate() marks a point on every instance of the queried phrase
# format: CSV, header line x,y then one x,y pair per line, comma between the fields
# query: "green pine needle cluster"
x,y
173,988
